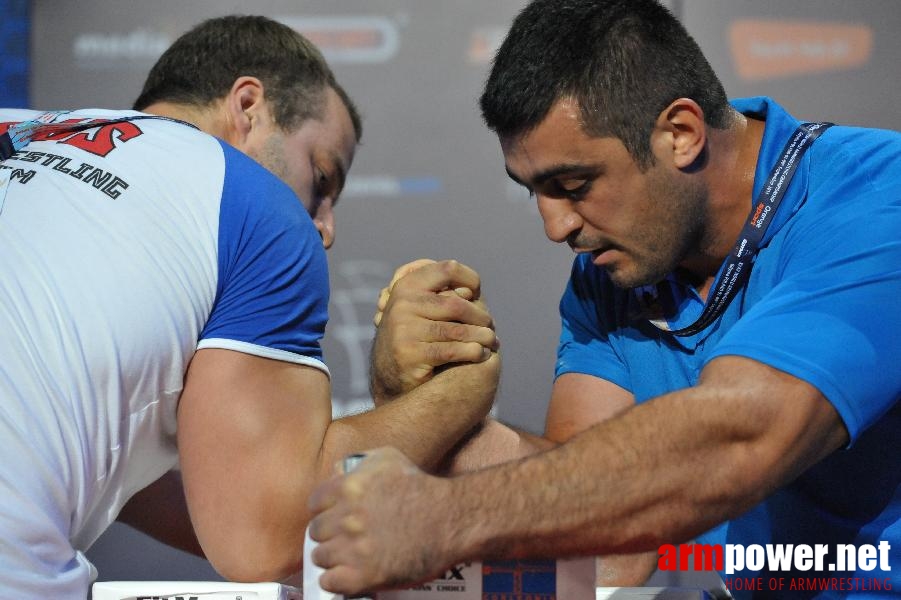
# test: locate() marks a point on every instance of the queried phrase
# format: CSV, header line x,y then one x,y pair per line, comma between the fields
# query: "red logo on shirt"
x,y
100,140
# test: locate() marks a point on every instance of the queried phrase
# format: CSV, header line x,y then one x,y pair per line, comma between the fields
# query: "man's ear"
x,y
244,105
683,132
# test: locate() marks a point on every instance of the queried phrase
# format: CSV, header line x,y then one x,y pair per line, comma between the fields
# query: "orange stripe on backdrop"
x,y
766,49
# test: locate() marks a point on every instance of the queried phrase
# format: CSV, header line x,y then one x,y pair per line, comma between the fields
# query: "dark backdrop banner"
x,y
429,180
14,29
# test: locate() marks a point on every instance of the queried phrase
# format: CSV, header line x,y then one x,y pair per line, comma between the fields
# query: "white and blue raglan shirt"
x,y
123,249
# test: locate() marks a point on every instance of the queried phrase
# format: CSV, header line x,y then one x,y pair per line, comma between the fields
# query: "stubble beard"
x,y
272,157
665,240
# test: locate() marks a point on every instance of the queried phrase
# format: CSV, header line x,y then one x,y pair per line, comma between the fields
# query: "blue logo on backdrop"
x,y
14,34
392,186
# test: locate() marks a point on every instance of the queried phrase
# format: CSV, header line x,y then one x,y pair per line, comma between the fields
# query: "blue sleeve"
x,y
832,317
272,291
585,346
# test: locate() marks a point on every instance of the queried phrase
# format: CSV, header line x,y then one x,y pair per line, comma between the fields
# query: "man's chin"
x,y
623,280
627,279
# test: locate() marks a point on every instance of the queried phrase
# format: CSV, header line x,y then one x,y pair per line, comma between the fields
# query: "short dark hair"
x,y
201,66
622,61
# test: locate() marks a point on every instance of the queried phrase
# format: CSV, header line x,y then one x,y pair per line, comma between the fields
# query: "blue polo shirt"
x,y
822,304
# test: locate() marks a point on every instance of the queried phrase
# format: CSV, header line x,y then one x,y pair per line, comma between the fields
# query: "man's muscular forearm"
x,y
664,471
491,443
426,422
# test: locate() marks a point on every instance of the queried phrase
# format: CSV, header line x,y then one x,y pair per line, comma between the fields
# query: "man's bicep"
x,y
579,401
249,434
789,423
160,511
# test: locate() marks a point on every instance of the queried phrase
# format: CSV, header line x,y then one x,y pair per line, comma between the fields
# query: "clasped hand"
x,y
429,316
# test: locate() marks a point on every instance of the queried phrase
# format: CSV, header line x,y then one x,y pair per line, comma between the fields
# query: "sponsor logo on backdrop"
x,y
14,67
452,583
391,186
350,39
484,42
519,580
764,49
835,567
121,50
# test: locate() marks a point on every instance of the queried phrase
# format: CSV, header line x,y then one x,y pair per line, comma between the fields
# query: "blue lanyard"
x,y
738,264
19,134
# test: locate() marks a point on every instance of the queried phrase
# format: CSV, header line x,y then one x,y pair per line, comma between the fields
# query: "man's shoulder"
x,y
260,190
857,159
864,147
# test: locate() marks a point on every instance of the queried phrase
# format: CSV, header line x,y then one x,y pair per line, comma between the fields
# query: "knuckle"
x,y
418,375
321,554
408,353
437,300
314,526
403,333
445,331
487,336
450,268
398,300
351,488
366,548
354,524
455,331
438,353
455,307
435,330
473,351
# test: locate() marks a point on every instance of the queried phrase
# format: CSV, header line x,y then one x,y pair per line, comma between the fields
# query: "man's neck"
x,y
733,163
204,118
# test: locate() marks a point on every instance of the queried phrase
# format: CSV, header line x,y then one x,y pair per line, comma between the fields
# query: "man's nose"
x,y
560,220
325,223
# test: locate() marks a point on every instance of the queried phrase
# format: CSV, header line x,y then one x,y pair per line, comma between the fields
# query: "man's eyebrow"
x,y
555,171
340,174
511,175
